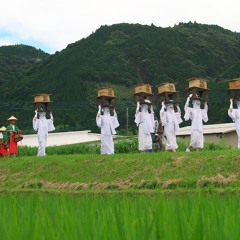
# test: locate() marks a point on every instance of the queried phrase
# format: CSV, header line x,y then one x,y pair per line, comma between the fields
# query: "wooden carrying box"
x,y
42,98
143,88
166,87
234,84
105,92
198,83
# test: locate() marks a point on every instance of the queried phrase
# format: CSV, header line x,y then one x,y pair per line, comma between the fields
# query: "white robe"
x,y
108,124
42,126
235,115
197,115
170,121
145,123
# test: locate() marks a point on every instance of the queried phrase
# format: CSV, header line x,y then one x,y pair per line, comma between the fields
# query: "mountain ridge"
x,y
120,56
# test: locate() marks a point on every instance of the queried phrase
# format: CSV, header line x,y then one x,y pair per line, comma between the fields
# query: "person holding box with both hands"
x,y
108,124
197,116
170,120
145,122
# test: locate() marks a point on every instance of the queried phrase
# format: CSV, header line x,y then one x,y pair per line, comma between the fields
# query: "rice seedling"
x,y
120,217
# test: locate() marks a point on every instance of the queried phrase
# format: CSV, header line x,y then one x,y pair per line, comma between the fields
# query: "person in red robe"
x,y
3,145
9,136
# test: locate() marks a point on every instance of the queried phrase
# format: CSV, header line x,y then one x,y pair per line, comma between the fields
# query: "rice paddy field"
x,y
68,195
119,217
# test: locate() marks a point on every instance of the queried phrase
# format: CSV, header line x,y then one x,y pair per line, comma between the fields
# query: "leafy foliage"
x,y
120,56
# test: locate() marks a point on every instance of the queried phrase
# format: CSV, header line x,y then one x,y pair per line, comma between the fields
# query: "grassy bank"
x,y
161,195
139,171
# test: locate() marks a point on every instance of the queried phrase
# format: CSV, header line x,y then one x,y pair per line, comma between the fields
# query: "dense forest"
x,y
118,56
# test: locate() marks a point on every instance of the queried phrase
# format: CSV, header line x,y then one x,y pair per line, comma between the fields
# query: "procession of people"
x,y
152,130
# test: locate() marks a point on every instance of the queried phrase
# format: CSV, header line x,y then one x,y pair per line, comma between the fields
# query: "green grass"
x,y
162,195
162,170
119,217
121,146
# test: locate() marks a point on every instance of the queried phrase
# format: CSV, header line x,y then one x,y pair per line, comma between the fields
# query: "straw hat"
x,y
12,118
2,129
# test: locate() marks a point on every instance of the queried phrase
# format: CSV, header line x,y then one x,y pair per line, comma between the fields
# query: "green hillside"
x,y
19,61
120,56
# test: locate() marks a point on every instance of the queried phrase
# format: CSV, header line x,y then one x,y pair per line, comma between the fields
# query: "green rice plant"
x,y
61,150
120,217
126,146
27,151
121,146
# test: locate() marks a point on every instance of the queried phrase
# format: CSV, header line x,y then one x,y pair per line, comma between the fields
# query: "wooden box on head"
x,y
198,88
143,92
105,98
234,89
167,93
43,101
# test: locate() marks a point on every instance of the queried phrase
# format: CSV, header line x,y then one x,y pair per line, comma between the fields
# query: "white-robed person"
x,y
170,120
145,123
43,126
234,114
108,124
197,116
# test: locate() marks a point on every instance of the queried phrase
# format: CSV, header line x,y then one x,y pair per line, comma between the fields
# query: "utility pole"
x,y
127,122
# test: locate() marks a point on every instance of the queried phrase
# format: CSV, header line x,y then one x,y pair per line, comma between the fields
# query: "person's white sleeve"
x,y
51,116
179,110
206,106
188,113
162,115
115,122
204,115
51,126
137,118
231,104
35,123
187,102
138,107
99,109
232,114
178,116
99,121
35,116
151,109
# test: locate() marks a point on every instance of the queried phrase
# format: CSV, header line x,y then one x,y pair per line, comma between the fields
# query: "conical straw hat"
x,y
12,118
2,129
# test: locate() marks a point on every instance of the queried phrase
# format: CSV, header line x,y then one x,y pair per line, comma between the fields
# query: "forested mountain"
x,y
19,61
120,56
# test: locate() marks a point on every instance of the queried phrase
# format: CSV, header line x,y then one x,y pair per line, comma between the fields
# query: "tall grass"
x,y
121,146
119,217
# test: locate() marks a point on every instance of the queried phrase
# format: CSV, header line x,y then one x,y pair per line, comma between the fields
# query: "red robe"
x,y
3,150
12,145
